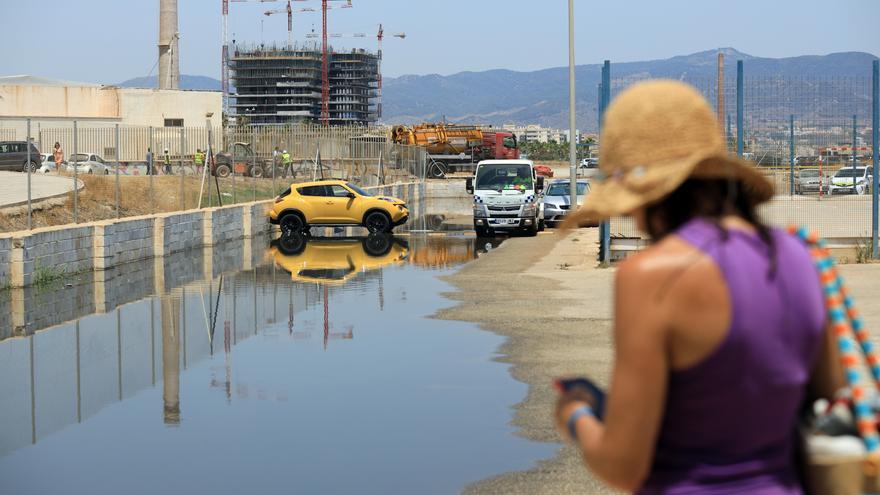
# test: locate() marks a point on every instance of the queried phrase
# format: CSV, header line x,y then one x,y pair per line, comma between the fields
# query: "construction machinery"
x,y
457,148
242,160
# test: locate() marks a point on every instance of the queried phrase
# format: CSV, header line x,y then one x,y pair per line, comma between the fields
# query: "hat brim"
x,y
613,197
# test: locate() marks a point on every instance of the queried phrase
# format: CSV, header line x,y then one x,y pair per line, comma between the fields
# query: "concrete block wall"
x,y
68,250
259,218
123,241
5,259
181,231
227,223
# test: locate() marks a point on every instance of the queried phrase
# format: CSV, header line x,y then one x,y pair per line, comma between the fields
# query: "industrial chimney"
x,y
169,55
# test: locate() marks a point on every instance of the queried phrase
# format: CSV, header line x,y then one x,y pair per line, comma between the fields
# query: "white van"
x,y
507,197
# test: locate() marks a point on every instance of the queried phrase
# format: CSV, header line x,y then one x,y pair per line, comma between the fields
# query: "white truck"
x,y
507,197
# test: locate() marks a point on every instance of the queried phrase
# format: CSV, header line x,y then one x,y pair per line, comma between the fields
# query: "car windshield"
x,y
849,172
562,189
357,189
500,177
809,173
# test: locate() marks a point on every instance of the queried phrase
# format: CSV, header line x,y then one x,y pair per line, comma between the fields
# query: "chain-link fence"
x,y
811,136
99,173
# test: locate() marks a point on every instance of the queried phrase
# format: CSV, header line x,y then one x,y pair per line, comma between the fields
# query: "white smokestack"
x,y
169,55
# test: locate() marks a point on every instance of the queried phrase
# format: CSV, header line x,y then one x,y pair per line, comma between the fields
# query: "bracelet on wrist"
x,y
573,418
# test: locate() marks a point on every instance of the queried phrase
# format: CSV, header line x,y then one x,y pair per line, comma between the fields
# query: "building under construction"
x,y
283,85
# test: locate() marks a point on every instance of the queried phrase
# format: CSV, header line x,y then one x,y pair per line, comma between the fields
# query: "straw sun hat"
x,y
655,136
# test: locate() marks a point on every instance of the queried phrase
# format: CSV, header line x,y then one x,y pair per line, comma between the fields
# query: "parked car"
x,y
557,201
87,163
14,156
335,202
47,163
590,163
842,181
809,180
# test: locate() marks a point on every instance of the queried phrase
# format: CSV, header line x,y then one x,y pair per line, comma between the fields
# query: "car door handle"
x,y
330,202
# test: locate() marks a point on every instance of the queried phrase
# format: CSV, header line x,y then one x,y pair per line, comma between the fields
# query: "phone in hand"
x,y
565,385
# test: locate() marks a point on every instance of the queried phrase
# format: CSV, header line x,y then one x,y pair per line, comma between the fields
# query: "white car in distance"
x,y
87,163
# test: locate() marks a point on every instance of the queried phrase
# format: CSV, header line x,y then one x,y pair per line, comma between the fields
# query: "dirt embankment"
x,y
546,296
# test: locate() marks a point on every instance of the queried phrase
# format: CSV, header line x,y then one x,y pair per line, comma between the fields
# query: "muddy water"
x,y
308,366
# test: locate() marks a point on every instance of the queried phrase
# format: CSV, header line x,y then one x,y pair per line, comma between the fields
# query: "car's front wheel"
x,y
292,222
377,222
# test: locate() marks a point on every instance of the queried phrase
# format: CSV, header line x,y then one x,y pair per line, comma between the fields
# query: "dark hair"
x,y
711,199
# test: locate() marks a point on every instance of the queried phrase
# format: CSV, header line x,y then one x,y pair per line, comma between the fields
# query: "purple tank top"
x,y
730,419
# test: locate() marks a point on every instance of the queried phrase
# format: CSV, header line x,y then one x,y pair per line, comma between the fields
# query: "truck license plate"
x,y
512,221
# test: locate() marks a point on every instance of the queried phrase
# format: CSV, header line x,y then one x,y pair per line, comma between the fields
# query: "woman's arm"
x,y
621,450
827,377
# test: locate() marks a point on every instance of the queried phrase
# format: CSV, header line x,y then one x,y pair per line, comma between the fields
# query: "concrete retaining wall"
x,y
123,241
227,224
52,252
180,231
5,255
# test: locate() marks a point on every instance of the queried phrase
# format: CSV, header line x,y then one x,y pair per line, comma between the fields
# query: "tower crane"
x,y
380,35
290,11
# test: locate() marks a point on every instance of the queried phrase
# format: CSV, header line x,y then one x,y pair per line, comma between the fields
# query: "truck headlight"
x,y
480,211
529,210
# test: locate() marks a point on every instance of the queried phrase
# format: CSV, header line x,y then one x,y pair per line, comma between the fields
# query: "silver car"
x,y
87,163
808,180
557,202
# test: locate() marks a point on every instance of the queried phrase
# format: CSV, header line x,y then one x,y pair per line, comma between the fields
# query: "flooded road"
x,y
306,366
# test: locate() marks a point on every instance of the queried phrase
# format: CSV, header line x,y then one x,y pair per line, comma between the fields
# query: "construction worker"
x,y
166,159
199,160
286,162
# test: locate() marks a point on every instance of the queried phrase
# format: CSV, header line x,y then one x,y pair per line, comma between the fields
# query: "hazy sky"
x,y
107,41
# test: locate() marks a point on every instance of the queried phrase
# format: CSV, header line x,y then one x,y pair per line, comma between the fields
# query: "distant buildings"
x,y
538,134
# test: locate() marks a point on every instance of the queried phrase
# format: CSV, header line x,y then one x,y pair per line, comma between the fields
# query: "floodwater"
x,y
304,366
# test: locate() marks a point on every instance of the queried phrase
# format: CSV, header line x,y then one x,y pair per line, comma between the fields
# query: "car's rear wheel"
x,y
29,165
292,222
377,222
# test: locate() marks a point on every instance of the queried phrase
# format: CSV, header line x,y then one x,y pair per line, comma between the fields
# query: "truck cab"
x,y
507,197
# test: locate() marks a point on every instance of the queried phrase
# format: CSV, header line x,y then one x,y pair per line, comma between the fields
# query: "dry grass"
x,y
98,198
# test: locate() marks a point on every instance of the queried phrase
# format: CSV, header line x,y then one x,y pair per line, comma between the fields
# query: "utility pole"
x,y
572,125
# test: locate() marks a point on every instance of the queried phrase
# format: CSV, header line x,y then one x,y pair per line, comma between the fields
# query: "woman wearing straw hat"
x,y
720,331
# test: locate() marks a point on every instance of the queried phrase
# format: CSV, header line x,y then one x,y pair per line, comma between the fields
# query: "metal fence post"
x,y
117,172
854,157
232,173
875,151
75,177
791,155
605,228
254,161
28,165
182,169
151,166
739,108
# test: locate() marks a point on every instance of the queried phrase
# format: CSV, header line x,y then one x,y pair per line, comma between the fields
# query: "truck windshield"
x,y
501,177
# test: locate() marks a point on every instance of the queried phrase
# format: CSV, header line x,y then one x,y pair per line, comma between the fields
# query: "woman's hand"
x,y
568,402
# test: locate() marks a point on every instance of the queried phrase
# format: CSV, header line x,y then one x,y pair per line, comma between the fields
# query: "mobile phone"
x,y
564,385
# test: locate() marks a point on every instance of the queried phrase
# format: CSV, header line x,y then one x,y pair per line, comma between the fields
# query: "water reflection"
x,y
252,364
335,260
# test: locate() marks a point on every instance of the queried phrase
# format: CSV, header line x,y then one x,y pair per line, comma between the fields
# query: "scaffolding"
x,y
280,85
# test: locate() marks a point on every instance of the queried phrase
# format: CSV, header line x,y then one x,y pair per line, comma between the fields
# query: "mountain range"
x,y
775,87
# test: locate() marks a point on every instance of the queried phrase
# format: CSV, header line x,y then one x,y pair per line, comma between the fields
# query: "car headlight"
x,y
480,211
529,210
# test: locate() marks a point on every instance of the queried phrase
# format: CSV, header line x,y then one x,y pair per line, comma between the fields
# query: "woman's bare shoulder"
x,y
670,255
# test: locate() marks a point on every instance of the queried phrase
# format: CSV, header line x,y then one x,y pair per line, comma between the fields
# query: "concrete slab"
x,y
13,187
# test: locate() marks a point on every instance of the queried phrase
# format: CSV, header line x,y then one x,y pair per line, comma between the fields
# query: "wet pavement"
x,y
308,366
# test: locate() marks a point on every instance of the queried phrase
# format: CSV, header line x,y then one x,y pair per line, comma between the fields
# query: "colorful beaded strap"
x,y
846,323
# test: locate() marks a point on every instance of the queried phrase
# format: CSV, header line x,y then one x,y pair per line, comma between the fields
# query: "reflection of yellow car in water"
x,y
334,261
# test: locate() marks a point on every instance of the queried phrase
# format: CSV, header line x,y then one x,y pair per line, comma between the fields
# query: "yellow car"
x,y
333,261
335,202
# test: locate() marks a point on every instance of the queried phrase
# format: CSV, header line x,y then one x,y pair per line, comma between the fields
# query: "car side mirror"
x,y
540,183
351,195
469,185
